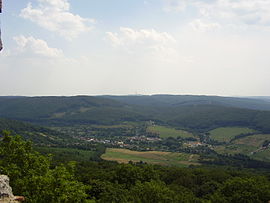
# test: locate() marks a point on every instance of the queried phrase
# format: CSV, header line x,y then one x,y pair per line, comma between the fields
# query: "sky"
x,y
119,47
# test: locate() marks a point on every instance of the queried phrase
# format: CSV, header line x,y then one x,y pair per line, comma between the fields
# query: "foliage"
x,y
235,160
37,134
72,153
152,192
31,175
244,190
129,183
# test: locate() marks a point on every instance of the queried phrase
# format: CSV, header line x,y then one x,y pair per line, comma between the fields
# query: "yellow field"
x,y
151,157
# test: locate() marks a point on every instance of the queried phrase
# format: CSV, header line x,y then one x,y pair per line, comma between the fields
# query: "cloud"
x,y
245,11
147,44
175,5
144,37
35,48
249,12
202,26
55,16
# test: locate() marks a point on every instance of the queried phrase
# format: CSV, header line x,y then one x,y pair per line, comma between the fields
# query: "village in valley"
x,y
134,137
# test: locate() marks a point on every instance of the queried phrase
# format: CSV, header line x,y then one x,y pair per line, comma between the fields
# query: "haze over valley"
x,y
140,101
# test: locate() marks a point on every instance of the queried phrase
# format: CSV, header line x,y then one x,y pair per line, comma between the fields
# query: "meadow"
x,y
226,134
250,145
151,157
253,140
235,149
165,132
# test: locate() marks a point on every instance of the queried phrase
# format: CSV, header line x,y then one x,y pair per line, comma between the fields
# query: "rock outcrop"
x,y
6,195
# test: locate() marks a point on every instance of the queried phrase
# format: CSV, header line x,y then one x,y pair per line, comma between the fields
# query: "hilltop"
x,y
163,100
199,113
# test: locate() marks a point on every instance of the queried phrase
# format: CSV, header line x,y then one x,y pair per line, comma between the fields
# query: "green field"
x,y
262,155
228,133
253,152
253,140
256,142
151,157
165,132
249,145
235,149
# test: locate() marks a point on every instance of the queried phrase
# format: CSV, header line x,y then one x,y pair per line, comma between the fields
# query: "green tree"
x,y
244,190
129,174
31,176
109,192
152,192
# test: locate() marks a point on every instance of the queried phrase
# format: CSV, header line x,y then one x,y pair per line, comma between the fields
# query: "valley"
x,y
198,125
143,101
110,149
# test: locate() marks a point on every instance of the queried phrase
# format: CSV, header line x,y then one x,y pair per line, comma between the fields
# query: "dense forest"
x,y
197,113
42,179
38,134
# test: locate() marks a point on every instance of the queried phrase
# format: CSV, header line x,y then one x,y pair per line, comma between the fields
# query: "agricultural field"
x,y
165,132
228,133
235,149
253,140
151,157
262,155
250,145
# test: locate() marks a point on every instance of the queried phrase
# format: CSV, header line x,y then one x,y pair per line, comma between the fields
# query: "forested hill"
x,y
39,135
199,113
68,110
256,103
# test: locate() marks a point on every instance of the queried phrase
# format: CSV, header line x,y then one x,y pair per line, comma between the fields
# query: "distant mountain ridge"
x,y
178,100
265,98
199,113
77,109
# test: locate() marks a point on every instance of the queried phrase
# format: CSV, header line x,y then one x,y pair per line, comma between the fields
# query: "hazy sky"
x,y
71,47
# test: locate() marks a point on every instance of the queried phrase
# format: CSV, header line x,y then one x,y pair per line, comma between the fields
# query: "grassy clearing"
x,y
247,145
165,132
256,142
228,133
151,157
262,155
253,140
235,149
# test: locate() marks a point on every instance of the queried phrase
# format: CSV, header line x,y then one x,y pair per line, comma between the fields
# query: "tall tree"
x,y
31,174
